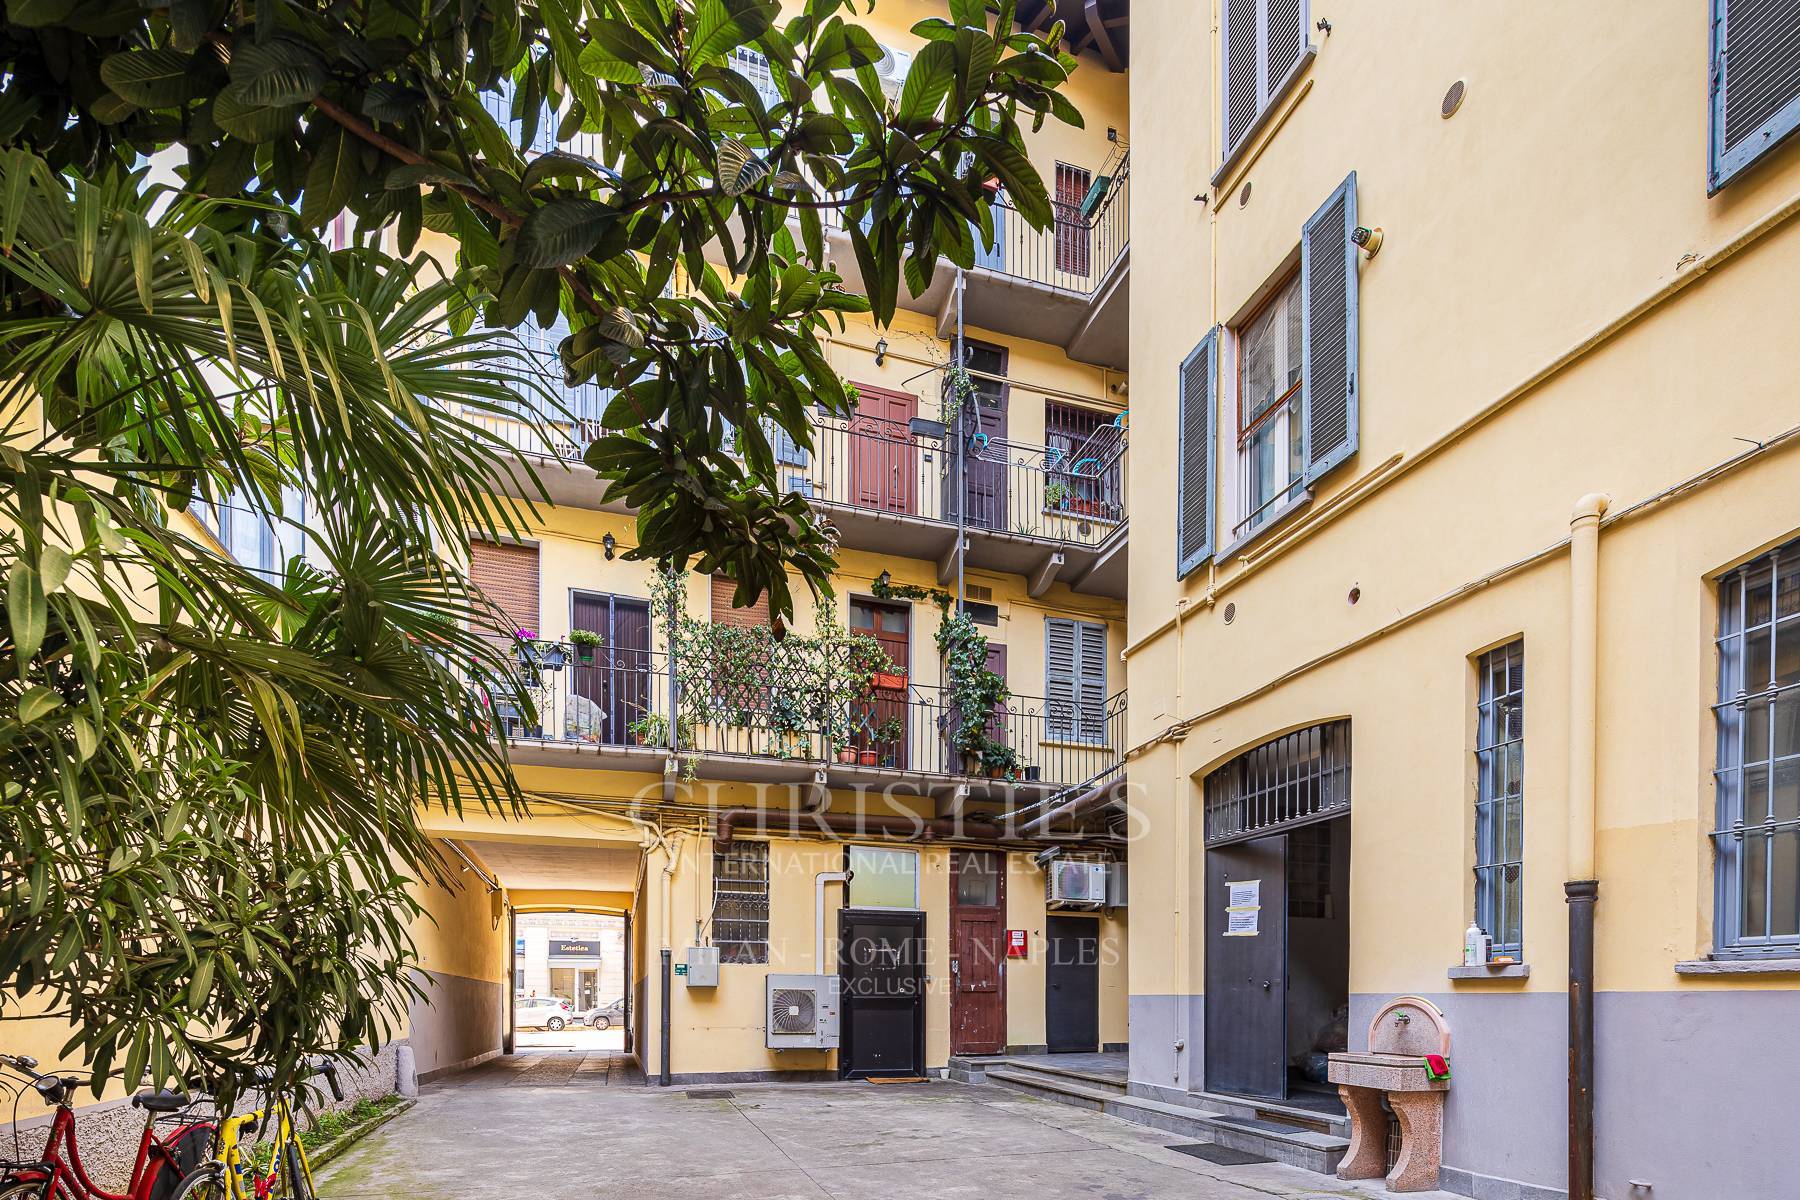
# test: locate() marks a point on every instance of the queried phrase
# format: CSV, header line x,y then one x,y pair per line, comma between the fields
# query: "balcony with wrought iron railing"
x,y
611,708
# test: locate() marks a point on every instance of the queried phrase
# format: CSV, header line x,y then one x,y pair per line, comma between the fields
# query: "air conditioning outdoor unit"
x,y
892,68
802,1012
1073,884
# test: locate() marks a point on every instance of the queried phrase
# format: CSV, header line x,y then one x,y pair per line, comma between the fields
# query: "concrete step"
x,y
1055,1070
1282,1141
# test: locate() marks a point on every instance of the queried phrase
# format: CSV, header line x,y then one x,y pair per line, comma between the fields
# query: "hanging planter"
x,y
889,681
586,644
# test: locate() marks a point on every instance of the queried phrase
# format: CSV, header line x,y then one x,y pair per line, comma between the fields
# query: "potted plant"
x,y
587,644
889,680
887,740
846,754
526,648
651,729
552,655
1056,494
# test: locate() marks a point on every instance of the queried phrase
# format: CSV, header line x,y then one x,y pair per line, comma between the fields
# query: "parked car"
x,y
542,1012
604,1017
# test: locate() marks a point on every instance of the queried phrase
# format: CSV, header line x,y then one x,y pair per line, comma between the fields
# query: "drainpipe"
x,y
962,441
671,848
1582,889
819,882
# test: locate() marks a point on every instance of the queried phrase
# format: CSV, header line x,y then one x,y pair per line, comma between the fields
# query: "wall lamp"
x,y
880,351
610,544
1368,239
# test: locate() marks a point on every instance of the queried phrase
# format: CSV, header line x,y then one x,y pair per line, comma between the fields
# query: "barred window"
x,y
740,913
1500,798
1757,841
1295,779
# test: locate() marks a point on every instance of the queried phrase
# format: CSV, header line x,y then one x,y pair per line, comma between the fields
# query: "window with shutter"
x,y
508,575
1263,44
1194,472
1755,82
724,613
1328,312
1074,680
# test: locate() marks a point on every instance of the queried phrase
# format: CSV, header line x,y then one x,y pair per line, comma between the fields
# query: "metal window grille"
x,y
1295,779
740,913
1500,798
1757,779
1309,872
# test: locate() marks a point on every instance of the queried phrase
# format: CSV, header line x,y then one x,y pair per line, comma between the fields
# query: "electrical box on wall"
x,y
1118,885
702,966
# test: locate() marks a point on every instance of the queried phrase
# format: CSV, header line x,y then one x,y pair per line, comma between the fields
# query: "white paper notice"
x,y
1241,922
1243,910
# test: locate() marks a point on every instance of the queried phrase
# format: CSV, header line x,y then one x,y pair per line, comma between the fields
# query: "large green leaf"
x,y
249,121
334,176
150,78
276,72
563,231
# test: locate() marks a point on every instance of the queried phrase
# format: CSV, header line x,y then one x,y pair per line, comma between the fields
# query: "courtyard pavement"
x,y
580,1125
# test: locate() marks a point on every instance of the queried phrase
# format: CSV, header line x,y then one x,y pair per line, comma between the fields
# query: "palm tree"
x,y
210,776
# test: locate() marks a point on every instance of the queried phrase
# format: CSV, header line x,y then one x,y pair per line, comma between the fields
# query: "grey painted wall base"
x,y
452,1068
1693,1089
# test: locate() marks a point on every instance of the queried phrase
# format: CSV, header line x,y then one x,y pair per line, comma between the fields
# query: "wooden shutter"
x,y
1198,405
508,575
1328,332
723,613
1262,42
1074,680
1243,91
1755,82
1060,712
1090,680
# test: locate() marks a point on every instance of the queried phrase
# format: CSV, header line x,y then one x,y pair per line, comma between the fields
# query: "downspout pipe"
x,y
1581,888
671,848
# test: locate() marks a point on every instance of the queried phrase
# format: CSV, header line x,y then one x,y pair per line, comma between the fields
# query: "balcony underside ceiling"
x,y
1042,561
1094,325
549,866
1100,27
569,484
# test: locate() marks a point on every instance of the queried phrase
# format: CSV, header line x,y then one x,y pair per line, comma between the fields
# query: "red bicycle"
x,y
164,1161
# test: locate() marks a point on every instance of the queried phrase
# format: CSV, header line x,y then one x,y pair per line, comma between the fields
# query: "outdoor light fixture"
x,y
880,351
1368,239
882,580
611,544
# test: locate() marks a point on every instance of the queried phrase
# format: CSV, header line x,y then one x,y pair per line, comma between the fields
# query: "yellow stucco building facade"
x,y
1469,336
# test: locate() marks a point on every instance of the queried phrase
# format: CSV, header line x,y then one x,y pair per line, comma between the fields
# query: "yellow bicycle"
x,y
238,1171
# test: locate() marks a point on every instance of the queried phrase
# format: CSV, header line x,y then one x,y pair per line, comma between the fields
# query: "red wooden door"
x,y
891,626
883,456
978,952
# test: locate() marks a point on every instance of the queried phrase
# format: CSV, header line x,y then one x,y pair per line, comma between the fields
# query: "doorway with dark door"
x,y
610,682
978,952
881,724
981,424
1278,963
881,968
884,455
1072,984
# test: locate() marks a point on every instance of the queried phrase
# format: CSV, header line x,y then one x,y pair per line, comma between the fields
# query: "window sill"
x,y
1739,966
1249,145
1274,520
1491,971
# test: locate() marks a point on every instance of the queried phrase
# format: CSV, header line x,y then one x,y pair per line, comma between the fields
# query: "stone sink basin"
x,y
1384,1072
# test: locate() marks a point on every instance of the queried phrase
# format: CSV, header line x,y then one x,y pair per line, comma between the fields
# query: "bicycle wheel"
x,y
24,1189
299,1179
205,1185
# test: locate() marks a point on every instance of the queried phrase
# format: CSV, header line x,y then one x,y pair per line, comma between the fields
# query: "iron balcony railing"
x,y
1074,495
608,697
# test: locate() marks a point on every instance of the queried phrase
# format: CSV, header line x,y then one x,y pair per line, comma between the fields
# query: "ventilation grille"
x,y
975,591
793,1011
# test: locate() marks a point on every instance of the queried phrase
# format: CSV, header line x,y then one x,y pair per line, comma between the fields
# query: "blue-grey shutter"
x,y
1090,680
1198,412
1061,703
1328,332
1240,64
1755,82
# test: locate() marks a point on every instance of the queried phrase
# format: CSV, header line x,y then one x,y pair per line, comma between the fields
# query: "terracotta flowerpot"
x,y
846,756
889,682
867,758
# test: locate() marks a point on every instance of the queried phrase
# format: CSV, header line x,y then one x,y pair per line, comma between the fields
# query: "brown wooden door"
x,y
891,626
978,952
883,457
981,422
613,678
1072,233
